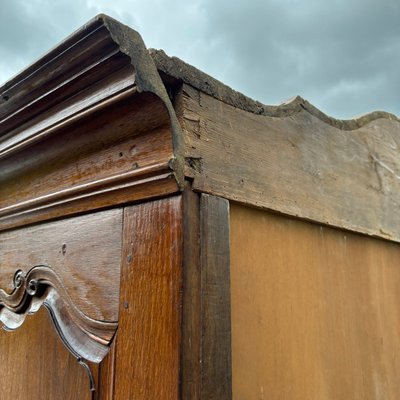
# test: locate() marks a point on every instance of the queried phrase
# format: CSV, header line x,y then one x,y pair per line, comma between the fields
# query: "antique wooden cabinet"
x,y
164,237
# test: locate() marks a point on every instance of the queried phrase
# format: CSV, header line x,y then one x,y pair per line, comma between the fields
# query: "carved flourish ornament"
x,y
86,338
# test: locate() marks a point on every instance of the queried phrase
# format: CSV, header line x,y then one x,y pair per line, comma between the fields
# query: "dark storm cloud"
x,y
343,56
29,28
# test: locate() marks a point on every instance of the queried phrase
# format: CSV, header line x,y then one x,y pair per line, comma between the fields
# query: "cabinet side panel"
x,y
148,340
295,164
315,311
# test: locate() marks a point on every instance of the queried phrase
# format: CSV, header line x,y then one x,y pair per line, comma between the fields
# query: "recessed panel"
x,y
315,311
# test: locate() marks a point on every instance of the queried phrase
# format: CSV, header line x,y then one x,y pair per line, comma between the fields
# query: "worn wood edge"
x,y
147,78
346,226
180,70
20,143
199,187
191,298
216,357
108,183
229,187
40,286
62,80
108,192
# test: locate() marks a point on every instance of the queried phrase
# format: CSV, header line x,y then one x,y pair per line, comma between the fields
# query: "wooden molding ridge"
x,y
180,70
141,183
84,337
100,61
87,126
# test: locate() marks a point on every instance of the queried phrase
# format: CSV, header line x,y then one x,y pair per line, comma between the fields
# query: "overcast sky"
x,y
341,55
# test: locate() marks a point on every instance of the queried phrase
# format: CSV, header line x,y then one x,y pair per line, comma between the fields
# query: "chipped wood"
x,y
297,165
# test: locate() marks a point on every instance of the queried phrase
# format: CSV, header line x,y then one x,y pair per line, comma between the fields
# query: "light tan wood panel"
x,y
315,311
35,365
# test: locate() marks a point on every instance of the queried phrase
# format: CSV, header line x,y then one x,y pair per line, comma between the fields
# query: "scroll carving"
x,y
86,338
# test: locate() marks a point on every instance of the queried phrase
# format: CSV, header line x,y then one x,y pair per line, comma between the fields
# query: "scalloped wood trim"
x,y
299,166
180,70
40,286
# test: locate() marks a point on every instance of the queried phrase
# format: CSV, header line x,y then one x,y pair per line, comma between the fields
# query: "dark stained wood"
x,y
315,311
216,377
206,332
191,362
84,252
76,117
35,365
105,196
86,338
54,111
102,49
64,71
110,155
109,123
298,165
148,340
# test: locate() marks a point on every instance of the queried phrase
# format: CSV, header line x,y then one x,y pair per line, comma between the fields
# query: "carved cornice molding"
x,y
97,65
84,337
87,126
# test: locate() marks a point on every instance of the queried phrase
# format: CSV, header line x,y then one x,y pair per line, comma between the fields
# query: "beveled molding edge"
x,y
123,41
143,183
86,338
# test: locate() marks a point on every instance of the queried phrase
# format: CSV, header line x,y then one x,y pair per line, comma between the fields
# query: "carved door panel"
x,y
72,268
35,365
59,297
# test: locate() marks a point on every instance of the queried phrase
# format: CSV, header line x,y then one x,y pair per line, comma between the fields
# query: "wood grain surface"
x,y
85,252
297,165
148,340
315,311
216,373
35,365
191,354
111,155
106,375
82,59
206,370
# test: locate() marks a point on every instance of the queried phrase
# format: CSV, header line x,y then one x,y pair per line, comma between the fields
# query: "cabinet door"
x,y
59,301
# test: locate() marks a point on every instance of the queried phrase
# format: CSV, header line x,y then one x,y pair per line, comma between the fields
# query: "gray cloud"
x,y
343,56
